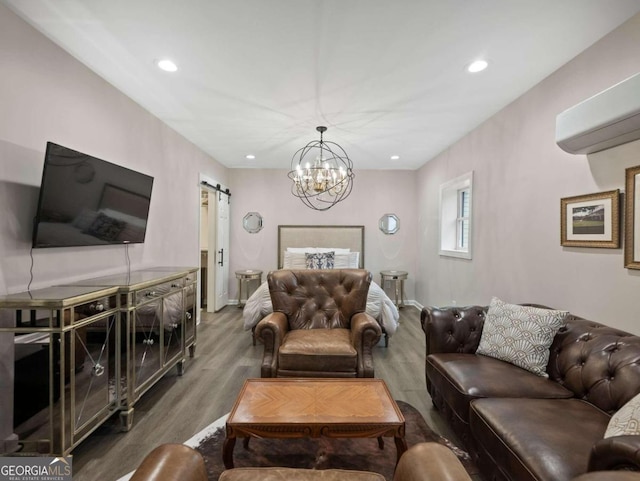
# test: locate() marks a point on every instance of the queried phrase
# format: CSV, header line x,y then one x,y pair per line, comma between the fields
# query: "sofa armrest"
x,y
430,462
171,462
365,334
271,330
616,453
452,329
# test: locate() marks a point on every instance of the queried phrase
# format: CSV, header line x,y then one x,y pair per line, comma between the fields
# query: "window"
x,y
456,201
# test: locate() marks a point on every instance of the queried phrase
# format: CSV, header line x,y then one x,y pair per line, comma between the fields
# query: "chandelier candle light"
x,y
324,181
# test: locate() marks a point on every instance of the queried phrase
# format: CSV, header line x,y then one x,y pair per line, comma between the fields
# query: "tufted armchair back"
x,y
598,363
319,299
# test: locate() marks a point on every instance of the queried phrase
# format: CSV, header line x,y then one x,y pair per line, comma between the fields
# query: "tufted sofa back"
x,y
453,329
319,299
598,363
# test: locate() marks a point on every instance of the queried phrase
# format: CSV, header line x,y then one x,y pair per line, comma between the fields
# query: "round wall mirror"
x,y
252,222
389,224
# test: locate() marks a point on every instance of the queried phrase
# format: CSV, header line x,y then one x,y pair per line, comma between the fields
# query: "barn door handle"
x,y
221,261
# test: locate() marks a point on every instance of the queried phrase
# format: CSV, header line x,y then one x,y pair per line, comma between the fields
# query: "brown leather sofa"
x,y
422,462
318,327
519,426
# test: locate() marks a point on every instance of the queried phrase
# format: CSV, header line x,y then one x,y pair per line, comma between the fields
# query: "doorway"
x,y
214,245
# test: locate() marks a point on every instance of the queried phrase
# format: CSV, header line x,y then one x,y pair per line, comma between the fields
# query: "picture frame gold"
x,y
591,220
632,218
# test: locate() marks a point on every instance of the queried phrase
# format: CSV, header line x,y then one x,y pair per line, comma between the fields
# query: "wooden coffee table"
x,y
300,408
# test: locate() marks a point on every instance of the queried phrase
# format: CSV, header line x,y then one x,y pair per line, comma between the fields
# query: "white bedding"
x,y
379,306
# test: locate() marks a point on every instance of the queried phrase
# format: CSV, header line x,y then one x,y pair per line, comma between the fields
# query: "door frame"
x,y
207,183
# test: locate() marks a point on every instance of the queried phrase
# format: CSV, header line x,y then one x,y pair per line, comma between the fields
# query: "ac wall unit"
x,y
605,120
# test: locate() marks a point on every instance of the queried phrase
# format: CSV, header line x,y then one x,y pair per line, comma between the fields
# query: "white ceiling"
x,y
385,76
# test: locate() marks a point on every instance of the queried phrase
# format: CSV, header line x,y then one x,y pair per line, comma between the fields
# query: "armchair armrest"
x,y
430,461
452,329
271,330
171,462
365,333
616,453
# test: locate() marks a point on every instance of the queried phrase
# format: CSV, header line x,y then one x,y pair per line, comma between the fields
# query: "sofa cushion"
x,y
463,377
328,350
626,420
537,439
520,335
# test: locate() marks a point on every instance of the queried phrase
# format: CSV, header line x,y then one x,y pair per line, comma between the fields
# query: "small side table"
x,y
398,278
245,277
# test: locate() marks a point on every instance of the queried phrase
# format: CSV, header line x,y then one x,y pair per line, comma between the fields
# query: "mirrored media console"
x,y
87,350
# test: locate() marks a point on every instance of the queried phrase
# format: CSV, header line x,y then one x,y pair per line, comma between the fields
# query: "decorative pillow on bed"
x,y
317,250
520,335
105,227
626,420
320,260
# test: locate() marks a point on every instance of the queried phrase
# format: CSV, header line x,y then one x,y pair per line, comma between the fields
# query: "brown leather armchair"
x,y
318,327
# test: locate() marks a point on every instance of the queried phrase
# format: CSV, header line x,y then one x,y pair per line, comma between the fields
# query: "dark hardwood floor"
x,y
177,407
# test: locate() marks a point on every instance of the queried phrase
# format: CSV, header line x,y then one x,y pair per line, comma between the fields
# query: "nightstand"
x,y
398,278
245,277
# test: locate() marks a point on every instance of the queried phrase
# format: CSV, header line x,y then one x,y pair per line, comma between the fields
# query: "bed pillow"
x,y
316,250
626,420
319,260
293,260
520,335
346,261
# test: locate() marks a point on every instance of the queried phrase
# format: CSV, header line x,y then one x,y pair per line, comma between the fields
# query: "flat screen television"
x,y
86,201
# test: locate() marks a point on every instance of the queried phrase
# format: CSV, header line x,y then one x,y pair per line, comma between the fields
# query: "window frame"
x,y
451,220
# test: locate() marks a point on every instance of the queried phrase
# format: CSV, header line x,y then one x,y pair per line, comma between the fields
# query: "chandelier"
x,y
322,173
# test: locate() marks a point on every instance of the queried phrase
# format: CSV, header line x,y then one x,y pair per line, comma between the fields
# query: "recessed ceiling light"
x,y
395,157
477,66
250,156
167,65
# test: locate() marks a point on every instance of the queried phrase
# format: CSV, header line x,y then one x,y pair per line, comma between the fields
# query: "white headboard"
x,y
344,236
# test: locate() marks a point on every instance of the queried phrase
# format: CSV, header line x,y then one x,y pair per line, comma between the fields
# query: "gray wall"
x,y
520,175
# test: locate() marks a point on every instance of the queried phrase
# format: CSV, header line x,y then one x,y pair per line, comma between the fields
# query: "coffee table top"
x,y
315,401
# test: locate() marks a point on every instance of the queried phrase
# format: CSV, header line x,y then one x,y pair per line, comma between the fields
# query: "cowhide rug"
x,y
323,453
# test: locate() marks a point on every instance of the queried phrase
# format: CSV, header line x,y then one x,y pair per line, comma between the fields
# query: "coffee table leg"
x,y
227,452
401,446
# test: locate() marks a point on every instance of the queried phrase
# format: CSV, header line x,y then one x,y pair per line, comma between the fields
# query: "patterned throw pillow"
x,y
626,420
520,335
323,260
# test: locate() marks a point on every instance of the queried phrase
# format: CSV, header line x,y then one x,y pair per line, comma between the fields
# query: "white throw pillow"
x,y
520,335
626,420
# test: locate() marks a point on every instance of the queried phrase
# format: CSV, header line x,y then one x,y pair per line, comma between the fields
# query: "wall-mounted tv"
x,y
86,201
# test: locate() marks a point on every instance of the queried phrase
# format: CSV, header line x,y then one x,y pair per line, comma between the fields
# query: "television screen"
x,y
88,201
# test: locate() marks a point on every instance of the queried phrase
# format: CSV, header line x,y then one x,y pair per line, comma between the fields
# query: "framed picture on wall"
x,y
632,218
591,220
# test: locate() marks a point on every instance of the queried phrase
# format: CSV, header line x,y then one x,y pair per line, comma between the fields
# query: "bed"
x,y
347,245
